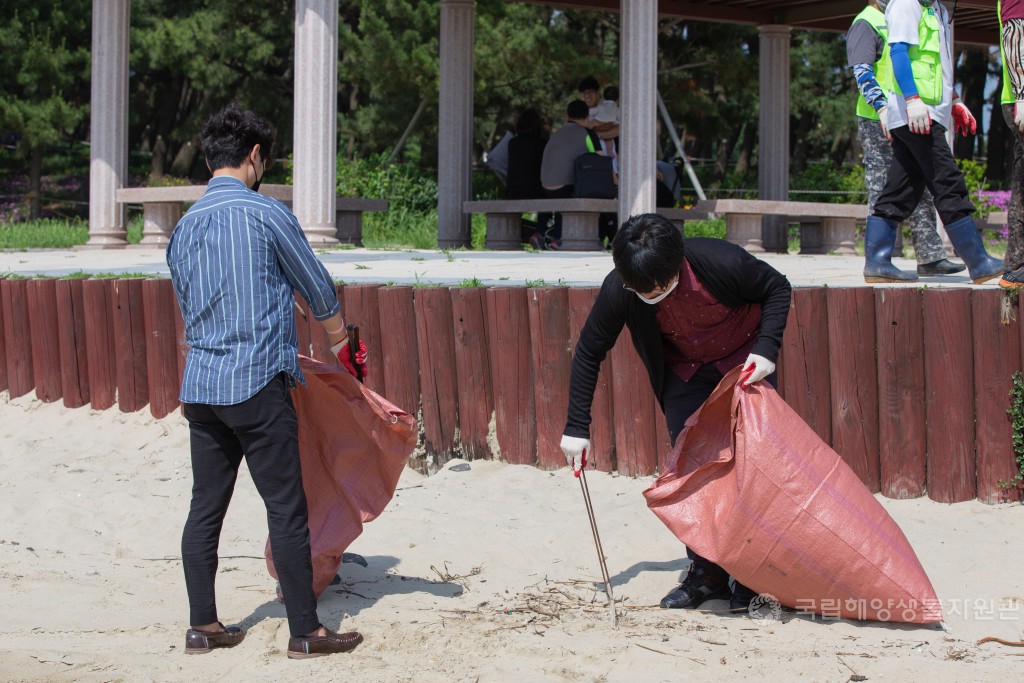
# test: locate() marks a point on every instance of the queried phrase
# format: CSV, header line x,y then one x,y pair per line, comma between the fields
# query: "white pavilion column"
x,y
455,122
639,96
108,123
773,141
315,140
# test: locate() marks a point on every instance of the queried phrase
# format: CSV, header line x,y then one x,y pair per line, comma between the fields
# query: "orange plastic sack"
x,y
353,445
752,488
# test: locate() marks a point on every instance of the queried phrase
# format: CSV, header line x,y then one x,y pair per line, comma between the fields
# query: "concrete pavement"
x,y
424,267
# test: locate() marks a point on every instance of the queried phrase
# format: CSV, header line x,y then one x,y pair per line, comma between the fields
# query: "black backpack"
x,y
593,177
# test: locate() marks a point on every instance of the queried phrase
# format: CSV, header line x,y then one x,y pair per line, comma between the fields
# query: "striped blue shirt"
x,y
236,258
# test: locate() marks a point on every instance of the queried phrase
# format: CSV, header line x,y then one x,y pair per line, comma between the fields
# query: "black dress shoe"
x,y
320,646
198,642
940,267
741,597
699,585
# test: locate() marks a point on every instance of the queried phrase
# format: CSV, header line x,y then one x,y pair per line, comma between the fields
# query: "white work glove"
x,y
883,118
755,369
920,121
575,450
1018,115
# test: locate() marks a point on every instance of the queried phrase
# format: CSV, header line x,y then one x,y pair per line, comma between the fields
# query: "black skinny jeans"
x,y
264,430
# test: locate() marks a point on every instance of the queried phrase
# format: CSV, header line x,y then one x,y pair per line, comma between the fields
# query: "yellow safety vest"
x,y
1006,97
883,67
926,58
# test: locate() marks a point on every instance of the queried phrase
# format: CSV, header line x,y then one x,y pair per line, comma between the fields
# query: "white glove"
x,y
883,118
1018,115
575,450
919,119
759,367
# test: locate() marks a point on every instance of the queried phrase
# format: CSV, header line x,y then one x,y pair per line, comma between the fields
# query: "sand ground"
x,y
479,575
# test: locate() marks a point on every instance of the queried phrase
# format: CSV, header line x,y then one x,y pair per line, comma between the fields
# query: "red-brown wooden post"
x,y
42,318
508,322
472,362
805,373
74,359
636,435
3,342
362,307
602,421
399,353
18,336
437,372
949,400
161,346
130,345
899,331
100,343
854,387
996,358
549,335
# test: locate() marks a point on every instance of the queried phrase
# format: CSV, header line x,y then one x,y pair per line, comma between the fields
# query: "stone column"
x,y
773,131
108,123
315,139
455,123
639,92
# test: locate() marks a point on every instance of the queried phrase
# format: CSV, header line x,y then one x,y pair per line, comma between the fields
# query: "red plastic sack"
x,y
353,445
752,488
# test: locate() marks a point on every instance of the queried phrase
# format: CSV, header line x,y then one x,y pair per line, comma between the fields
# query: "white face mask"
x,y
660,296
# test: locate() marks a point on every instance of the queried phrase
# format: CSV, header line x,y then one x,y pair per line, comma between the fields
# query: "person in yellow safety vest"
x,y
1011,44
868,56
921,105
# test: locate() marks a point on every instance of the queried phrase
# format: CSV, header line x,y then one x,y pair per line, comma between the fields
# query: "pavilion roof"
x,y
975,20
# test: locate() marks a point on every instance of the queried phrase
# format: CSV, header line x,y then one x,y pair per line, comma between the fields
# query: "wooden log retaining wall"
x,y
910,386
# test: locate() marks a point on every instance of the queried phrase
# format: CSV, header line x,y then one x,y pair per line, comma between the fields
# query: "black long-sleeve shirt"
x,y
729,273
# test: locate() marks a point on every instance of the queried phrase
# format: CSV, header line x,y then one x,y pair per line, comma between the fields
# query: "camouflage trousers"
x,y
928,246
1015,210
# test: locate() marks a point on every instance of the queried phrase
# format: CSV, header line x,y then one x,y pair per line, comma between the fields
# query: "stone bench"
x,y
162,209
837,232
579,219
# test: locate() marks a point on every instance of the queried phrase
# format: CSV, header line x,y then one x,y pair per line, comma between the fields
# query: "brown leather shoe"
x,y
319,646
199,642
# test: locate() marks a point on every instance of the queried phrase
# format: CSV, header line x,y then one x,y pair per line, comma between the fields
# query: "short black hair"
x,y
529,123
589,83
648,252
229,135
611,92
577,109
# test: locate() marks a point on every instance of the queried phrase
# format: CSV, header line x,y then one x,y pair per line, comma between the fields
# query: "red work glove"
x,y
344,353
963,120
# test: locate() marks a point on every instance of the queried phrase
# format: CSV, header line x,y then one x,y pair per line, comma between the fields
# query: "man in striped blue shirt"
x,y
236,259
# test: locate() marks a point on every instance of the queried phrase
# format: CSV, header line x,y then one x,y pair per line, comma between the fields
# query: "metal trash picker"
x,y
582,476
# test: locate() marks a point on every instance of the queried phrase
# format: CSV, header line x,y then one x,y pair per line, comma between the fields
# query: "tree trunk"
x,y
973,73
35,183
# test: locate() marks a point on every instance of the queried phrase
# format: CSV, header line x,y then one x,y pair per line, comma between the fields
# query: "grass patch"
x,y
55,233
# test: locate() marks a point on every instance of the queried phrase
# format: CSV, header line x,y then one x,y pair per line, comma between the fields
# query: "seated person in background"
x,y
525,153
590,93
558,164
604,119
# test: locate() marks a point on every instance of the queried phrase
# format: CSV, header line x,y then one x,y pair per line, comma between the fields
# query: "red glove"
x,y
344,353
963,120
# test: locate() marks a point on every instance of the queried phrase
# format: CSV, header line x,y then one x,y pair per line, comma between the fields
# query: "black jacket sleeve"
x,y
597,337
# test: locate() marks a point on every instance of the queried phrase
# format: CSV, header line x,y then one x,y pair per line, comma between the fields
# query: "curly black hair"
x,y
229,135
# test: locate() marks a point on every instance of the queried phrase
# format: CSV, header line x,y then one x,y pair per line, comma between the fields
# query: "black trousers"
x,y
264,430
681,400
919,162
